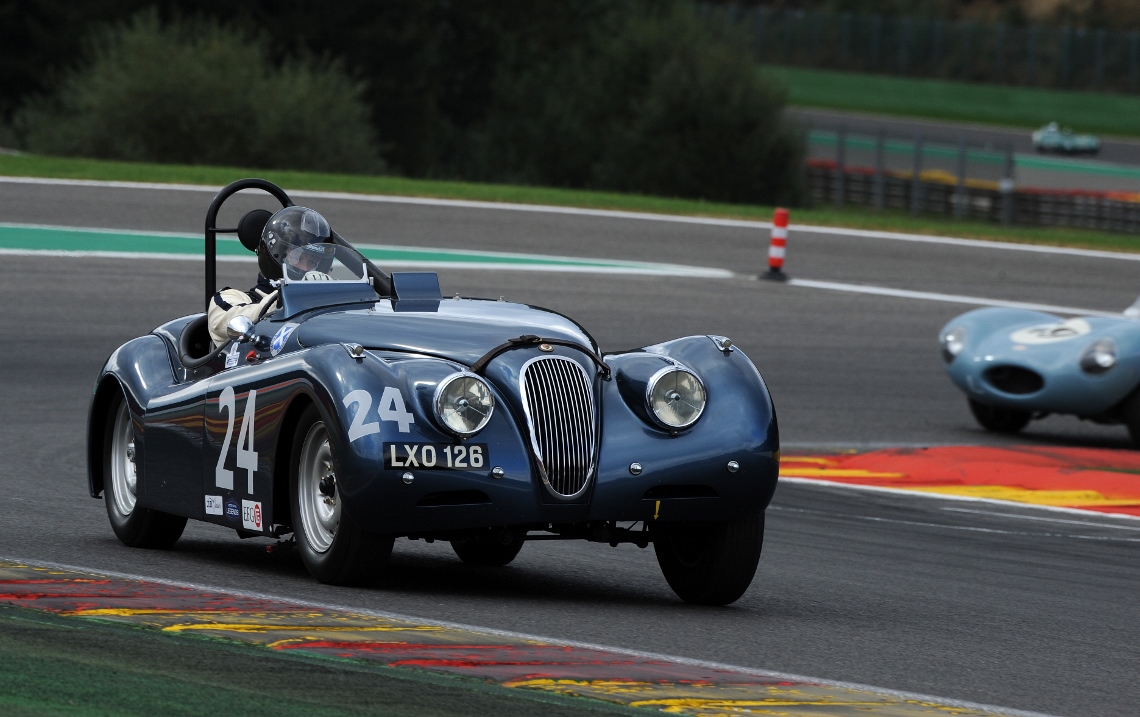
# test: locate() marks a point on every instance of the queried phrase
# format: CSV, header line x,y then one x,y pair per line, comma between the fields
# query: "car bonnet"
x,y
458,329
1033,342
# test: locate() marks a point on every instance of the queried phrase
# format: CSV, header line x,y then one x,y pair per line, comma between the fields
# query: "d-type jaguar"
x,y
1017,365
366,406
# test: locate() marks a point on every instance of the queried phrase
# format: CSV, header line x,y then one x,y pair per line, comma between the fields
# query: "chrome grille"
x,y
559,403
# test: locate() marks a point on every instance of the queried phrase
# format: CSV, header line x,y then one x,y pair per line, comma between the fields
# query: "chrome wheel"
x,y
124,476
317,495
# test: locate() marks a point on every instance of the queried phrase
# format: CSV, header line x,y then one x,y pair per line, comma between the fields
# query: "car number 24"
x,y
396,455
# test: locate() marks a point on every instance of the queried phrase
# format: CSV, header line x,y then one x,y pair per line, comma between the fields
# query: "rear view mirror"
x,y
239,329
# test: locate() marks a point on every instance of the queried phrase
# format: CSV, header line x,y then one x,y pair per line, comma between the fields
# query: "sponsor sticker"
x,y
232,355
251,515
233,510
281,337
214,505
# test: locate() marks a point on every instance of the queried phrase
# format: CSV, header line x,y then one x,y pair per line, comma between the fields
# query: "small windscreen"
x,y
323,262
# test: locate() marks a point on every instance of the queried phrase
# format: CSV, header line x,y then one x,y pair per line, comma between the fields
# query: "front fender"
x,y
134,370
375,401
686,476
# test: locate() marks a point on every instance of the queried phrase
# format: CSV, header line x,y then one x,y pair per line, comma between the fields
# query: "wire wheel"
x,y
135,525
124,476
317,496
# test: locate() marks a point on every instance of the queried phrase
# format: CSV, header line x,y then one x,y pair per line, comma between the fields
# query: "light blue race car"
x,y
1052,138
1016,365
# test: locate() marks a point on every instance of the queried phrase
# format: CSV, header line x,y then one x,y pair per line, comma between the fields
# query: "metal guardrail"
x,y
938,192
825,138
959,180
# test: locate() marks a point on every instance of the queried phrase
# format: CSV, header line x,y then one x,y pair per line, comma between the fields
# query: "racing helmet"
x,y
296,232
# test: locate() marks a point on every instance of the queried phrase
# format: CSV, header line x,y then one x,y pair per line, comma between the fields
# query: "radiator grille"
x,y
559,403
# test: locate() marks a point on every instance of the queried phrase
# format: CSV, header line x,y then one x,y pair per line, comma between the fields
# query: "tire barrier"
x,y
939,192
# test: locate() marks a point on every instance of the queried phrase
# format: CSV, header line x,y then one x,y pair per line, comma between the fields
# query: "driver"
x,y
296,240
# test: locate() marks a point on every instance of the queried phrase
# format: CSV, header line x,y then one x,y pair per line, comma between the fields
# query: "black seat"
x,y
194,342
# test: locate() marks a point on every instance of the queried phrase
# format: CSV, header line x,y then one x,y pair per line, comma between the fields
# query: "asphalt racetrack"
x,y
1007,606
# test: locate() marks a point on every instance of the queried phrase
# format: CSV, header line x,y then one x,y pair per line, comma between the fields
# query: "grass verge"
x,y
853,217
1021,107
77,667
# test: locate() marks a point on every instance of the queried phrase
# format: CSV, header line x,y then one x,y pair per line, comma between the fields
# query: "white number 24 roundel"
x,y
391,408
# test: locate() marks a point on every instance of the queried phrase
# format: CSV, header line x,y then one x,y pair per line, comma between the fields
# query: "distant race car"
x,y
1052,139
1015,365
365,407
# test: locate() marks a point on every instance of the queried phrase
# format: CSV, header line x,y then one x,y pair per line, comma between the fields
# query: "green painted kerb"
x,y
38,238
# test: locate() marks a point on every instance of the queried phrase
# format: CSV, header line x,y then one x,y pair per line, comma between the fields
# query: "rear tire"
x,y
333,547
486,551
999,420
709,563
134,525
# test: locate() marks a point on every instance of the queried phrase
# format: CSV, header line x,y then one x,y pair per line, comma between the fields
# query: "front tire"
x,y
134,525
709,563
1130,417
333,547
487,551
999,420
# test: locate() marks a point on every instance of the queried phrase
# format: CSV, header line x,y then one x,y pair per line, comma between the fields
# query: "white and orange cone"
x,y
778,246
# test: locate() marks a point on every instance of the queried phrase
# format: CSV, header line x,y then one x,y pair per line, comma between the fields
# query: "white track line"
x,y
823,483
695,272
608,213
1049,520
947,298
704,664
653,270
966,528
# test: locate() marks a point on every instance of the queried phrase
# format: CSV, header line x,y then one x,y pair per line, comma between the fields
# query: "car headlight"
x,y
1099,357
463,403
953,341
675,397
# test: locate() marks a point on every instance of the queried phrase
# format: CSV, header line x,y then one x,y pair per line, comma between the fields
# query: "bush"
x,y
198,93
629,95
657,102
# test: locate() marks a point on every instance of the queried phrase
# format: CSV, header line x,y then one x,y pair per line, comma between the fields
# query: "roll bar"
x,y
381,282
212,219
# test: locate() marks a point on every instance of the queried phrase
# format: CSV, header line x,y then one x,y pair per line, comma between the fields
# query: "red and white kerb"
x,y
779,240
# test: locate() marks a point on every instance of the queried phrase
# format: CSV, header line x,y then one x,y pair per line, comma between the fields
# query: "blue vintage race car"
x,y
1015,365
365,407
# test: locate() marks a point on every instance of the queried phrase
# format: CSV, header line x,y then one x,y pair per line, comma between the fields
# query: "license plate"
x,y
436,456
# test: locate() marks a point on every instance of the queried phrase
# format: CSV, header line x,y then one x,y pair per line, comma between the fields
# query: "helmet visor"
x,y
322,262
294,228
302,260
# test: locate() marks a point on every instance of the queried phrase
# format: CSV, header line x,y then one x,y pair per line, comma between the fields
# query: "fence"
x,y
959,181
1034,56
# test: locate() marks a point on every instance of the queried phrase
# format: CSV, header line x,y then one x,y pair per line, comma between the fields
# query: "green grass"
x,y
854,217
961,101
75,667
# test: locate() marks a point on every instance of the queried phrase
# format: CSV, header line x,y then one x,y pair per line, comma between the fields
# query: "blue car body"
x,y
1037,363
212,431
